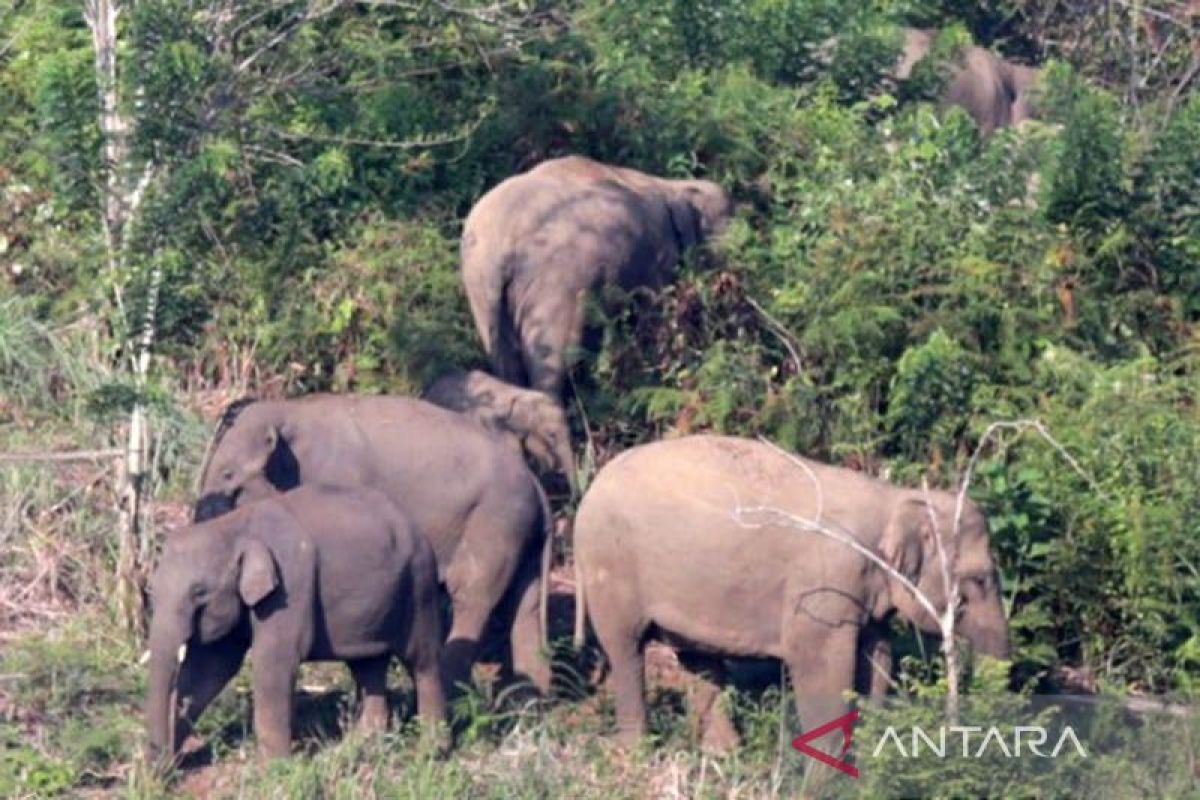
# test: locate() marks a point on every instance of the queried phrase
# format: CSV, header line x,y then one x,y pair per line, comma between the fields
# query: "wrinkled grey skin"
x,y
316,574
532,421
995,92
466,491
756,588
538,243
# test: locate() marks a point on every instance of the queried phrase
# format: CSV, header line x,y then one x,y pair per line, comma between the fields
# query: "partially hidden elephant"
x,y
997,93
700,542
466,491
533,422
537,244
316,574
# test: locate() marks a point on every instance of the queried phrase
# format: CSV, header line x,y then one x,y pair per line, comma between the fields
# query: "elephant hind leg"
x,y
620,629
370,679
710,724
550,337
476,578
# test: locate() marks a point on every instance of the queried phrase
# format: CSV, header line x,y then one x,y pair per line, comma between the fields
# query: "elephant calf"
x,y
533,421
685,540
314,574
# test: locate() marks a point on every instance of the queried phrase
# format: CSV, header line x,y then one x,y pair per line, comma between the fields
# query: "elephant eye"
x,y
198,592
227,475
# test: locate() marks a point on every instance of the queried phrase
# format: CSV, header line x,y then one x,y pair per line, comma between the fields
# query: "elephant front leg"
x,y
370,679
206,671
462,644
873,673
821,656
274,687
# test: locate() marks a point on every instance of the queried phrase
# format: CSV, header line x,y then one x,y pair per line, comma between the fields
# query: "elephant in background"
x,y
316,574
466,492
756,587
538,243
533,422
995,92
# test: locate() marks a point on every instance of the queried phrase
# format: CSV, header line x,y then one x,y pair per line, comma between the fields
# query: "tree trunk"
x,y
119,201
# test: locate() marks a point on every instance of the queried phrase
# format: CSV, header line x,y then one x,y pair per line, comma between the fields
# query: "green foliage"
x,y
930,396
1085,185
893,283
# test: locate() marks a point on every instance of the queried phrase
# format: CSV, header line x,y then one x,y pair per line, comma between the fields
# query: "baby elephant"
x,y
534,421
711,544
314,574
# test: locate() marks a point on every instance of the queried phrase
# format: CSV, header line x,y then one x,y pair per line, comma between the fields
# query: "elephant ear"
x,y
257,573
685,222
906,537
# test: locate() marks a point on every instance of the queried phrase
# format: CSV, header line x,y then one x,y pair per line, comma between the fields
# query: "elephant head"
x,y
910,546
207,578
532,421
250,457
700,210
540,424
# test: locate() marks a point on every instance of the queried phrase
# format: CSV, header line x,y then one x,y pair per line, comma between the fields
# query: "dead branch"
x,y
780,332
777,516
61,457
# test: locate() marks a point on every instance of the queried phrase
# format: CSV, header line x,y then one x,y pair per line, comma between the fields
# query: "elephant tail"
x,y
580,608
547,563
485,278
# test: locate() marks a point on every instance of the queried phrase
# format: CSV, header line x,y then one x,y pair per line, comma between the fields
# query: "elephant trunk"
x,y
987,630
992,643
167,649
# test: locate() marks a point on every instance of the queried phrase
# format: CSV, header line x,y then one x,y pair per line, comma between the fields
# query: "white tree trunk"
x,y
120,198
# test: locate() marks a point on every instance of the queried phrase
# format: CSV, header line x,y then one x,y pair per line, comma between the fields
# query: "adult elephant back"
x,y
465,490
994,91
536,244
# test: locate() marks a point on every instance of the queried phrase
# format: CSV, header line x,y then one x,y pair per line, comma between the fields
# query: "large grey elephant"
x,y
316,574
995,92
754,585
532,421
465,490
538,243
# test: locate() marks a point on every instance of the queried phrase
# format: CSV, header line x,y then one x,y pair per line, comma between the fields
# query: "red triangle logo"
x,y
845,723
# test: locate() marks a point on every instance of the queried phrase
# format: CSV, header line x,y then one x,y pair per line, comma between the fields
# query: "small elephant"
x,y
995,92
685,540
534,422
538,243
316,574
466,492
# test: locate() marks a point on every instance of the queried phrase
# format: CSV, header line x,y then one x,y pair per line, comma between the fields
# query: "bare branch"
x,y
418,143
800,462
313,11
61,457
781,332
777,516
1019,425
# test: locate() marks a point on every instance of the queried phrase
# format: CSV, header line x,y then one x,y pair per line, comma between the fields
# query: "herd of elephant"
x,y
334,527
